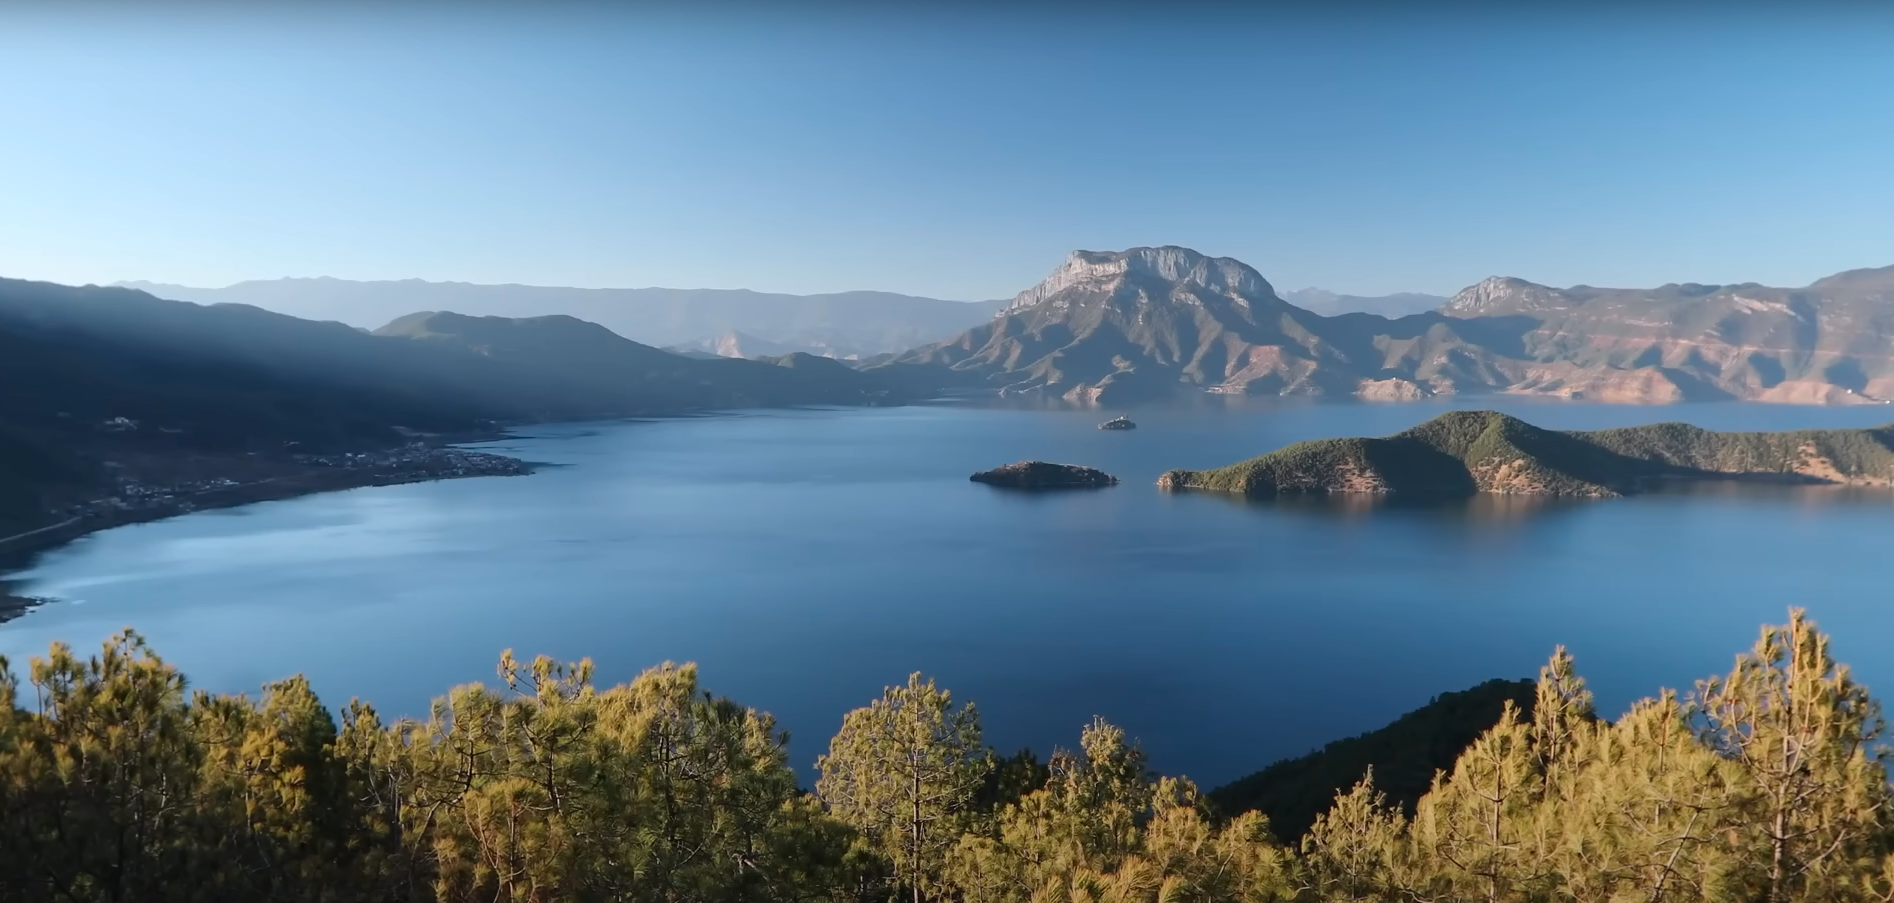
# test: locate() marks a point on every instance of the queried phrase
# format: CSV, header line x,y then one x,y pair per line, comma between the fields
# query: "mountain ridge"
x,y
1145,323
859,323
171,391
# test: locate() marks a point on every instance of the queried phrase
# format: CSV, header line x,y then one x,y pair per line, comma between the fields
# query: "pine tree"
x,y
108,801
1477,830
1355,850
904,772
17,778
1655,802
1801,731
274,767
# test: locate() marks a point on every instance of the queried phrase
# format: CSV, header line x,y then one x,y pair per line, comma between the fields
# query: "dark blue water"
x,y
806,559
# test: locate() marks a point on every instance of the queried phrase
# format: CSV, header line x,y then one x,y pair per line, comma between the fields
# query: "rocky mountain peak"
x,y
1221,275
1146,323
1502,295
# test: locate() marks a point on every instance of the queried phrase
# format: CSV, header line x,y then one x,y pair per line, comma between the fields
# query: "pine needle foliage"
x,y
1761,785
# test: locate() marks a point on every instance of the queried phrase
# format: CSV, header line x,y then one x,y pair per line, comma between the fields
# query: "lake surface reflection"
x,y
805,559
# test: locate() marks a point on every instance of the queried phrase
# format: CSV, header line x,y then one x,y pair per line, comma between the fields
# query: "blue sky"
x,y
950,150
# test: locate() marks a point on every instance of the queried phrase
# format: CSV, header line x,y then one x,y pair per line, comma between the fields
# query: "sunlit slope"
x,y
1464,452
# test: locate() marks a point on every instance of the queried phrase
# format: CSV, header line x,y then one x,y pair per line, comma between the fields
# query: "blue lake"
x,y
805,559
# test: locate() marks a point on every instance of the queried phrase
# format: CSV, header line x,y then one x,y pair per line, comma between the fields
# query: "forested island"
x,y
1466,452
1765,784
1041,475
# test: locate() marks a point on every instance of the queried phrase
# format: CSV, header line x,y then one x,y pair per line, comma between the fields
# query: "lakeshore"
x,y
135,502
803,575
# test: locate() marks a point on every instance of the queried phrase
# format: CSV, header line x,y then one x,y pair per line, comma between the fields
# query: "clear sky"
x,y
952,149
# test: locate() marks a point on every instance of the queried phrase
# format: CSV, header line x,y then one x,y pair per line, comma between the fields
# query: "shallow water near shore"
x,y
807,558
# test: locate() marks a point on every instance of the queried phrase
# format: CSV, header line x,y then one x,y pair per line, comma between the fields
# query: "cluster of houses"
x,y
422,460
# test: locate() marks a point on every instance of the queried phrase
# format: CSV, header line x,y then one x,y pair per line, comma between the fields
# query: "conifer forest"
x,y
1765,784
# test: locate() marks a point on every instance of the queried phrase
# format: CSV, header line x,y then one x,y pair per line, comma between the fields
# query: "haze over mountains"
x,y
725,322
1330,304
742,344
1146,323
117,375
841,325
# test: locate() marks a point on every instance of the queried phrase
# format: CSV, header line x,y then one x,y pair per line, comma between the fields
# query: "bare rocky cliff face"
x,y
1143,323
1149,322
1830,342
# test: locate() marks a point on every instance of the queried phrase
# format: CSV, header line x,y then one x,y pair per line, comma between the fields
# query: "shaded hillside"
x,y
225,378
568,363
1147,323
1463,452
540,368
1404,755
55,440
846,323
33,470
117,375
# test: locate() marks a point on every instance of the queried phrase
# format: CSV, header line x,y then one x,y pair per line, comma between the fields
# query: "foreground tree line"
x,y
1764,784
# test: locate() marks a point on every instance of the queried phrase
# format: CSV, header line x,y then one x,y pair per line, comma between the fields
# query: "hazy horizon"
x,y
586,288
138,283
941,153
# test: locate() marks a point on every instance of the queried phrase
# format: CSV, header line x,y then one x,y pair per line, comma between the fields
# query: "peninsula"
x,y
1041,475
1467,452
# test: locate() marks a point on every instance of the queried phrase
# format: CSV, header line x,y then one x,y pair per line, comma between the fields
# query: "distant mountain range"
x,y
843,325
1145,323
1830,341
1464,452
1330,304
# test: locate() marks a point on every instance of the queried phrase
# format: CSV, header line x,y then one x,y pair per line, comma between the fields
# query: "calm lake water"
x,y
805,559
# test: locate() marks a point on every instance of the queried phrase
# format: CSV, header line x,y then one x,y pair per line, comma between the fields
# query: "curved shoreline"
x,y
19,551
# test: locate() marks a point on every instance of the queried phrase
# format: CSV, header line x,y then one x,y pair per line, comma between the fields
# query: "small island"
x,y
1118,423
1466,452
1040,475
